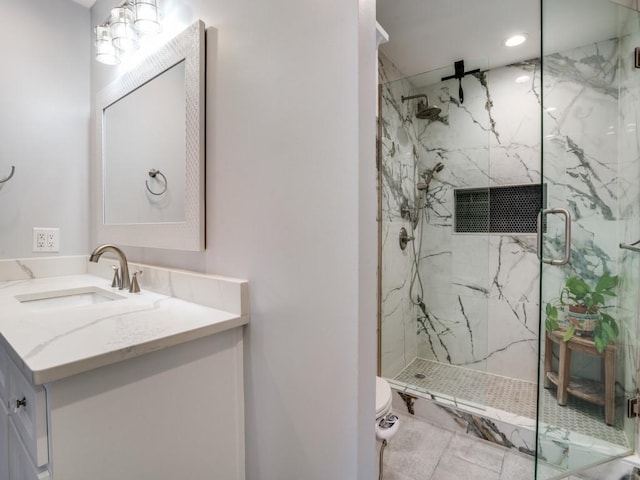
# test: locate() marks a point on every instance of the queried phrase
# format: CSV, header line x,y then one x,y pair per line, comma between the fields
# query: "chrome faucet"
x,y
124,281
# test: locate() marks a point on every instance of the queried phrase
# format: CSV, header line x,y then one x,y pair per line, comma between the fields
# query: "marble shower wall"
x,y
581,158
481,289
474,302
479,293
590,141
398,169
590,144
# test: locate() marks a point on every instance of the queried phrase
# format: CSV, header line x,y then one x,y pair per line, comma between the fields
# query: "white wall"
x,y
285,209
44,124
366,349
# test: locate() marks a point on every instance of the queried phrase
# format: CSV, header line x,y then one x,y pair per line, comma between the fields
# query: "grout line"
x,y
504,457
431,476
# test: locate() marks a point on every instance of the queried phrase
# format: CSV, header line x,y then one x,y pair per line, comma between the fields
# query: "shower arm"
x,y
411,97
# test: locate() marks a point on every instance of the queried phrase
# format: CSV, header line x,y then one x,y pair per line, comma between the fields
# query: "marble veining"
x,y
40,267
478,305
470,285
25,269
53,344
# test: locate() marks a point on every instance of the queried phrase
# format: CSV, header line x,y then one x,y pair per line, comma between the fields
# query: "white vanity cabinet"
x,y
4,418
20,465
23,430
172,413
145,386
4,441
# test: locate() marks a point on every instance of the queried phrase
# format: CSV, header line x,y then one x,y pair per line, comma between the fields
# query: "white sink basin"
x,y
72,297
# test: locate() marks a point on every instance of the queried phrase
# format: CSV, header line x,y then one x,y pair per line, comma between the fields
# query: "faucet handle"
x,y
135,287
116,277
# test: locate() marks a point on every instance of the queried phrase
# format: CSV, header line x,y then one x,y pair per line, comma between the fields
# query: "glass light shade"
x,y
124,35
105,51
146,16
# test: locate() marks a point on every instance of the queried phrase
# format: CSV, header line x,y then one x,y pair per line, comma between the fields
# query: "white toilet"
x,y
387,424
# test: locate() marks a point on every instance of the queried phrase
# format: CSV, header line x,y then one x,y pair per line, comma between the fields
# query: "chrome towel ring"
x,y
13,169
153,173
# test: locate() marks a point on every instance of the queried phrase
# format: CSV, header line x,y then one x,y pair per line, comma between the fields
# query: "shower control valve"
x,y
404,238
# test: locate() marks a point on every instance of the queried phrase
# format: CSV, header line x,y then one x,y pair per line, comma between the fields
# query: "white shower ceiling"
x,y
430,34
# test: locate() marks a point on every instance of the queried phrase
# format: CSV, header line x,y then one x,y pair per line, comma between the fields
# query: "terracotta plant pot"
x,y
584,322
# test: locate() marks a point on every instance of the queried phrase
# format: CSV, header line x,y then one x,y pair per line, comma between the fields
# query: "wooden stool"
x,y
585,389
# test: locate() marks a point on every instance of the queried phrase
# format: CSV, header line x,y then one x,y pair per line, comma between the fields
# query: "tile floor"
x,y
421,451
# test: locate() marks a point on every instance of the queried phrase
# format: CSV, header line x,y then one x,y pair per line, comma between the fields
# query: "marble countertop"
x,y
63,341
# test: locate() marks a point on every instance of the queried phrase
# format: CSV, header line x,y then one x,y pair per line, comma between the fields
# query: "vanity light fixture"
x,y
515,40
106,52
125,38
146,17
125,26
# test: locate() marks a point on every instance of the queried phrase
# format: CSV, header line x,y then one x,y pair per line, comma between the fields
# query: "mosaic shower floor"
x,y
509,395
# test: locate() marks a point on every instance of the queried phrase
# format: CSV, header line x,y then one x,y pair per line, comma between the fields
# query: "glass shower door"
x,y
589,284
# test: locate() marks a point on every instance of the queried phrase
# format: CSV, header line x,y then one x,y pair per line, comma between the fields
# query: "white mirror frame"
x,y
187,235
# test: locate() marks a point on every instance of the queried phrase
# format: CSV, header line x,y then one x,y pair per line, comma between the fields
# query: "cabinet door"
x,y
28,411
4,380
20,465
4,443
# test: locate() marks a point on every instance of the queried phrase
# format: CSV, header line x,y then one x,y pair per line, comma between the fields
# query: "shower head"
x,y
430,172
425,111
428,176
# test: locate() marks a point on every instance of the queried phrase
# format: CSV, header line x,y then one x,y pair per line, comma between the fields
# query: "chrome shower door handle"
x,y
567,235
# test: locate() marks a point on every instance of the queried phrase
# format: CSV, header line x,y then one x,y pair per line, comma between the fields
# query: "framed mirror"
x,y
150,138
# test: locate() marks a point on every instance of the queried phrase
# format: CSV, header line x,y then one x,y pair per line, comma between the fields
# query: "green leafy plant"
x,y
581,298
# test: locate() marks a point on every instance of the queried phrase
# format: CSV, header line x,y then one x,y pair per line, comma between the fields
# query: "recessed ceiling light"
x,y
523,79
515,40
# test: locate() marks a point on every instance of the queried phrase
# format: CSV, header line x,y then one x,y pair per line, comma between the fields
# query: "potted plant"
x,y
584,310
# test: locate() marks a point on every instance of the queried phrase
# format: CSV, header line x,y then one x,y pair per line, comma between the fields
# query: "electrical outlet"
x,y
46,239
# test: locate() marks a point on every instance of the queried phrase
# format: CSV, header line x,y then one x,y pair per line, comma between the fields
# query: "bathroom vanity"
x,y
98,383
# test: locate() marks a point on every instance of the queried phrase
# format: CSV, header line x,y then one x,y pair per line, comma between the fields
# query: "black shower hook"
x,y
460,74
153,173
13,169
